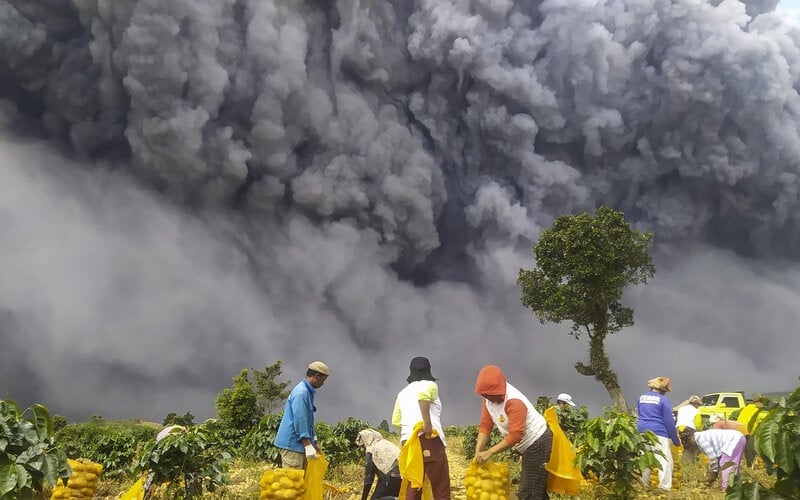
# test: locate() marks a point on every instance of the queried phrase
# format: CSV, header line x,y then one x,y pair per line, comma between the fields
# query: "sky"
x,y
789,9
195,187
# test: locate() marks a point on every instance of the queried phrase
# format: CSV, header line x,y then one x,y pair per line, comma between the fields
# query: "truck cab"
x,y
720,403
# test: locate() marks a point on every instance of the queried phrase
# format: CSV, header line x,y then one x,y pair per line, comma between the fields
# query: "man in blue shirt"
x,y
655,414
296,437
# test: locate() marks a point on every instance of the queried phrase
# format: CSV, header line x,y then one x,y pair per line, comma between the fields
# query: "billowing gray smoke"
x,y
190,187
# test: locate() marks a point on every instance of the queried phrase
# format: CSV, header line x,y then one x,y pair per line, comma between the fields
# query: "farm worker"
x,y
687,411
381,461
563,400
722,447
296,437
655,414
170,429
523,428
417,413
718,421
563,403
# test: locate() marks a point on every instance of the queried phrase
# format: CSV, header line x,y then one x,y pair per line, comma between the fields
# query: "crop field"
x,y
346,482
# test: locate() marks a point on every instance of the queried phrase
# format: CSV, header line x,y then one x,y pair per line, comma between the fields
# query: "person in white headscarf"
x,y
381,456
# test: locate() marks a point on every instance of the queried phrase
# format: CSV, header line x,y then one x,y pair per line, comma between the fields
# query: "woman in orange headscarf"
x,y
523,428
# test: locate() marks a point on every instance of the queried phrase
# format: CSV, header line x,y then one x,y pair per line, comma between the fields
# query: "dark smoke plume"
x,y
190,187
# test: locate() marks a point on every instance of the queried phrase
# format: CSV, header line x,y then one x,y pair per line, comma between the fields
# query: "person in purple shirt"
x,y
655,414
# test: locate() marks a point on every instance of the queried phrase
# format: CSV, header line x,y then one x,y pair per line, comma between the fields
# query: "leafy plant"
x,y
270,394
173,418
611,449
339,442
258,443
469,439
237,407
191,461
112,444
777,442
28,455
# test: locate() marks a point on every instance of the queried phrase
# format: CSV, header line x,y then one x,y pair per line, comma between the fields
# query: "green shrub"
x,y
237,407
777,442
469,439
258,443
339,442
230,438
112,444
187,463
28,455
612,450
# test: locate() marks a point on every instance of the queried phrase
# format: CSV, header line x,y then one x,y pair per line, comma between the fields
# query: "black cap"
x,y
420,369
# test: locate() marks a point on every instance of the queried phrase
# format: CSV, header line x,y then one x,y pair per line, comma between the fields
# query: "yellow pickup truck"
x,y
719,403
730,406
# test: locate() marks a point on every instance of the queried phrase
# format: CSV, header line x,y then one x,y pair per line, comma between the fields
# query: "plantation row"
x,y
34,449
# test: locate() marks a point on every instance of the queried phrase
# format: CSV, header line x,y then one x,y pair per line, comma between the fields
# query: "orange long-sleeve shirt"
x,y
517,415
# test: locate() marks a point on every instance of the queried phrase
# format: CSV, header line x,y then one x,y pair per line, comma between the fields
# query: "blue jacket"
x,y
298,419
655,414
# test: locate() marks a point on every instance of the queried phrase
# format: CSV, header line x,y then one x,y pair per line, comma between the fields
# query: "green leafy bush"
x,y
186,463
258,443
339,442
613,451
230,438
28,455
237,407
113,444
777,442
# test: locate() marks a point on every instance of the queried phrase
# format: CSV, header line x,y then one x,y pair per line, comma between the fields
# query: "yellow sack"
x,y
315,471
427,489
82,484
563,476
412,467
136,492
486,479
282,483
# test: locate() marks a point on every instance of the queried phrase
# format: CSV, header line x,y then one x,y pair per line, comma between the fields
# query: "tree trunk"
x,y
600,368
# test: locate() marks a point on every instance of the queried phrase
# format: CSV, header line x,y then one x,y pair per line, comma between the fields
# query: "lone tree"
x,y
583,263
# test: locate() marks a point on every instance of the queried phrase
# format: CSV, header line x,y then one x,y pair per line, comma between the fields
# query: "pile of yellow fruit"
x,y
82,484
677,475
286,484
487,481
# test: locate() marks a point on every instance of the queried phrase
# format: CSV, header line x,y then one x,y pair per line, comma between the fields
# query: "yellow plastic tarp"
x,y
136,492
412,467
563,475
315,471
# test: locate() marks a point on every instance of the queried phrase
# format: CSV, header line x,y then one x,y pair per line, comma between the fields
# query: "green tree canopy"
x,y
270,394
237,407
583,264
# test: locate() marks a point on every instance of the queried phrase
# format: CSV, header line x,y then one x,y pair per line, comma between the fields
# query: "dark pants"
x,y
437,469
533,477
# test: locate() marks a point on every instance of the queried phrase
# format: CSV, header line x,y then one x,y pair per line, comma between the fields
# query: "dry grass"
x,y
346,481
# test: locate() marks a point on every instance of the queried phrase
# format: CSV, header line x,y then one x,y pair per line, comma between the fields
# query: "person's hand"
x,y
483,456
311,452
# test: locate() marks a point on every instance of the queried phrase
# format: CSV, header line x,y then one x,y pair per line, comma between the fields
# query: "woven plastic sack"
x,y
482,481
282,483
83,482
315,471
